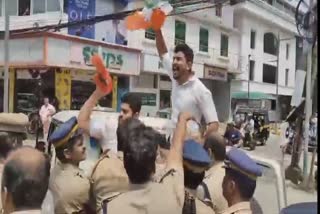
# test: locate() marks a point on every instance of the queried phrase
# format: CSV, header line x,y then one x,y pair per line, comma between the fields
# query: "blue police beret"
x,y
195,156
307,207
241,162
64,132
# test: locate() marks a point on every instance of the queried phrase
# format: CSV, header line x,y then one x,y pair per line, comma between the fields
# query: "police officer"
x,y
195,162
145,196
69,185
239,183
109,177
211,187
12,132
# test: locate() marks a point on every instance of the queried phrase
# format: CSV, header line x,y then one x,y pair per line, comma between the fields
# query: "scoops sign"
x,y
81,10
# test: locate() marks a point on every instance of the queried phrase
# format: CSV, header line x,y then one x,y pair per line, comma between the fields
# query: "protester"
x,y
195,163
46,112
25,181
188,92
211,188
239,182
100,128
69,185
145,196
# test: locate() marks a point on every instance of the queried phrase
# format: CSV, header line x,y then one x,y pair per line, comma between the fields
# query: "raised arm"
x,y
160,43
86,109
174,160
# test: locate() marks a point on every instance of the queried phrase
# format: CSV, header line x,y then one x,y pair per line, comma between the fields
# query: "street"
x,y
272,150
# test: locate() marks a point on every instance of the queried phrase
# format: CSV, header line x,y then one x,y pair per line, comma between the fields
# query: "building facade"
x,y
268,42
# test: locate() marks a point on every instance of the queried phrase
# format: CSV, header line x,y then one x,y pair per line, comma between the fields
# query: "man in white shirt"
x,y
46,112
105,130
188,94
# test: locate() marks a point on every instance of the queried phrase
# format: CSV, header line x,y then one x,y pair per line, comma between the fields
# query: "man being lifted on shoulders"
x,y
188,92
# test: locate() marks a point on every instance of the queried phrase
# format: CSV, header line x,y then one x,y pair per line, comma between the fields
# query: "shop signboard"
x,y
81,10
77,55
63,88
215,73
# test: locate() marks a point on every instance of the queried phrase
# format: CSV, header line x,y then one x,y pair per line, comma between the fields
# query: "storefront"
x,y
58,66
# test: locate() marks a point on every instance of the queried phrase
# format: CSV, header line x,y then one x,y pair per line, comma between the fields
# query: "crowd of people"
x,y
138,171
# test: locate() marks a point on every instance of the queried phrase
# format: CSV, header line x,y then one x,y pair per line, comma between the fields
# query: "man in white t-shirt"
x,y
46,112
188,93
105,129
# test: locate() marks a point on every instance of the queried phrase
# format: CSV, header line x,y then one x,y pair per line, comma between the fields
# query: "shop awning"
x,y
252,95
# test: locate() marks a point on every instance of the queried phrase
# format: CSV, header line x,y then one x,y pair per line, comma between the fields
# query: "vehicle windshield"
x,y
266,189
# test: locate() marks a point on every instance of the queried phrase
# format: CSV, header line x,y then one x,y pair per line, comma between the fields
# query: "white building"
x,y
216,49
261,25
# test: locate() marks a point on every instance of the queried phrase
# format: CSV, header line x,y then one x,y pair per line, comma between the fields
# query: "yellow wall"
x,y
12,77
114,92
63,88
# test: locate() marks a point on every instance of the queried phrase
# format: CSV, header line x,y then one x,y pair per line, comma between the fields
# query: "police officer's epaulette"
x,y
105,202
170,172
103,156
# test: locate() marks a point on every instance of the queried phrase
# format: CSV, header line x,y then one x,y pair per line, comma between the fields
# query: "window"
x,y
24,7
287,51
180,32
273,104
224,45
269,74
253,39
149,34
204,40
219,10
12,7
53,5
39,6
270,43
287,77
251,74
0,7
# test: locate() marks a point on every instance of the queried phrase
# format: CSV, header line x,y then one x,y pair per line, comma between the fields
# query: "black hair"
x,y
69,146
133,100
186,50
123,131
28,189
216,144
6,145
245,185
140,154
191,179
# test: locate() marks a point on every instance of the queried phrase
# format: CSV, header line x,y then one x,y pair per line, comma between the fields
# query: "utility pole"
x,y
249,78
6,61
277,81
308,110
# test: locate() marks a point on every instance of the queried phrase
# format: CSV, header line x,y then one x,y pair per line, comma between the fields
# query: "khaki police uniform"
x,y
166,197
213,179
239,208
201,207
70,188
108,178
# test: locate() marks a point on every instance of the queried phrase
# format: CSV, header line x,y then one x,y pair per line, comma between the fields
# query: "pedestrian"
x,y
96,127
25,181
211,187
188,92
240,180
69,185
195,162
145,196
46,112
